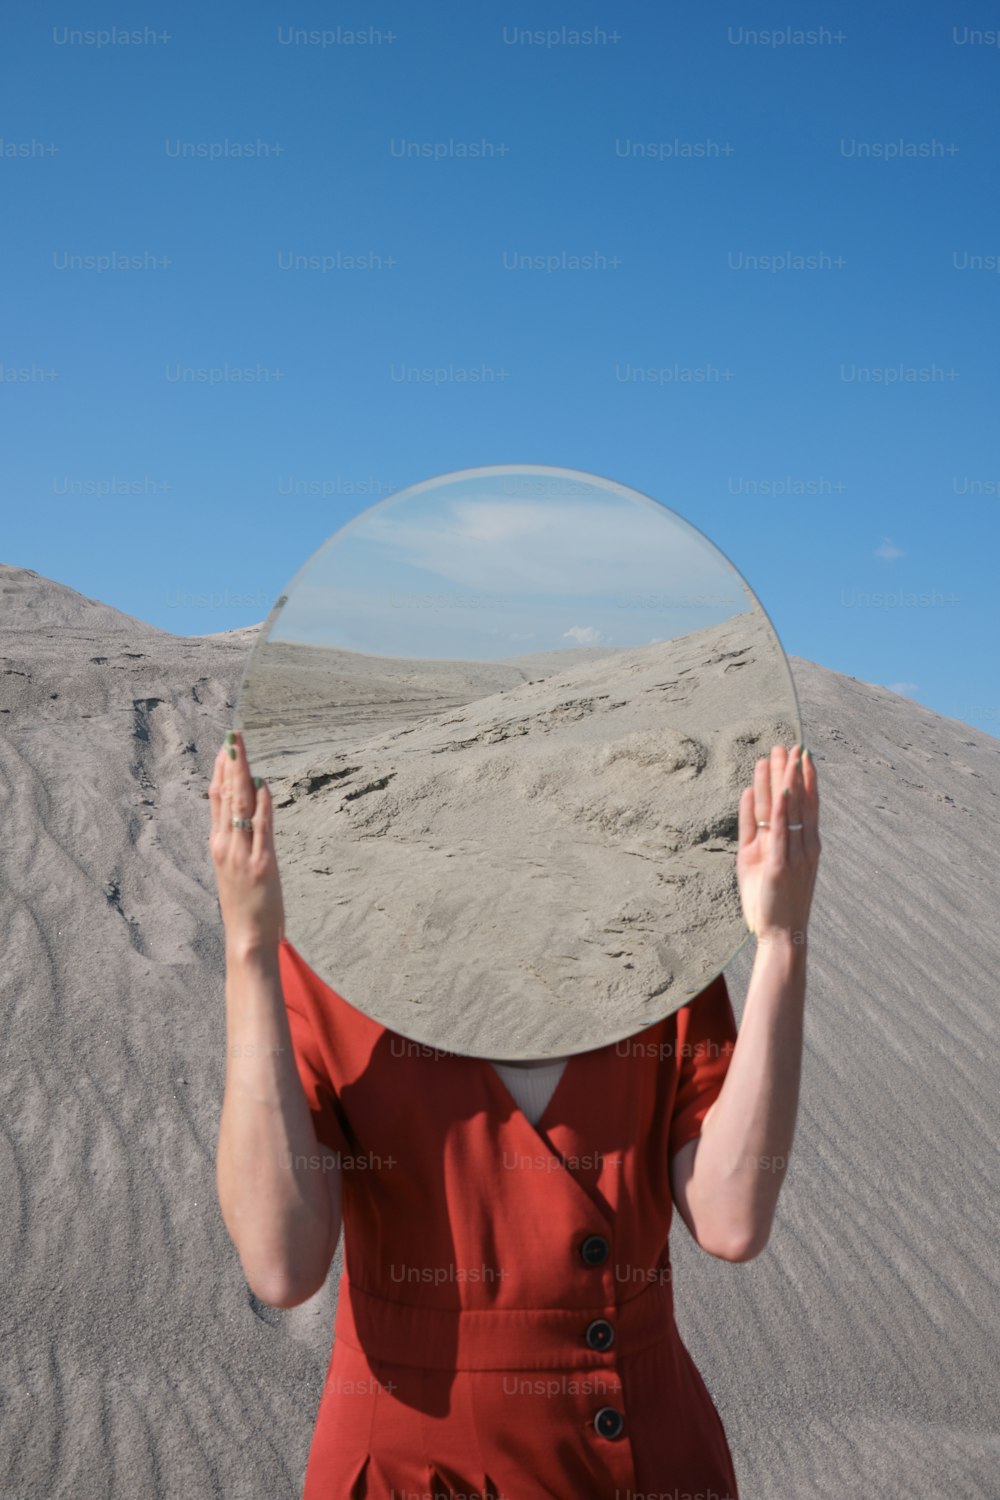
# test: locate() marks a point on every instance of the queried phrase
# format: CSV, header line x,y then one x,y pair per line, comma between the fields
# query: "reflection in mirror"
x,y
506,716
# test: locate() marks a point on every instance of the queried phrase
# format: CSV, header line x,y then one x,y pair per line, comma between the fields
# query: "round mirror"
x,y
506,716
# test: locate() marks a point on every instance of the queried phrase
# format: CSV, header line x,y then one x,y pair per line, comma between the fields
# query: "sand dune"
x,y
855,1358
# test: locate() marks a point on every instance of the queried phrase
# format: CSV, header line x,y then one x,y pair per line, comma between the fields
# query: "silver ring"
x,y
794,827
242,823
763,825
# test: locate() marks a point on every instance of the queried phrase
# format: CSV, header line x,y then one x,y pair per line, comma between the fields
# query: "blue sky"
x,y
748,273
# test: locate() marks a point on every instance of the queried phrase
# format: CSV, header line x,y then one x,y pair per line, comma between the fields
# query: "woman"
x,y
505,1323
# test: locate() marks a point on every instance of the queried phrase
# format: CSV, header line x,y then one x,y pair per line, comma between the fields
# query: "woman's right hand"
x,y
246,863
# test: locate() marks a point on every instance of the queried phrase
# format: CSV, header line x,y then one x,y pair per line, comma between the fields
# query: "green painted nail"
x,y
258,781
232,752
231,737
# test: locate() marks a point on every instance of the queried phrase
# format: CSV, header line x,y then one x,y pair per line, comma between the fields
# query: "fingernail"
x,y
805,753
231,737
258,781
232,752
787,792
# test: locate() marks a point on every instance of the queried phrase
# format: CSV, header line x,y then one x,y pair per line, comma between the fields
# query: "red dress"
x,y
505,1324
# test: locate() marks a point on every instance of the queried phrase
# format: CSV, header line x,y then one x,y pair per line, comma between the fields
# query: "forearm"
x,y
273,1178
746,1140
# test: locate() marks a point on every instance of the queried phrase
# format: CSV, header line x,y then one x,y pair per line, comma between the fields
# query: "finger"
x,y
263,823
238,773
226,829
779,764
215,791
793,801
230,802
810,806
777,851
747,822
762,791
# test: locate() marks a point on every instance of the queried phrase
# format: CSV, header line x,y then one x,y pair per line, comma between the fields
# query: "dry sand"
x,y
523,858
855,1358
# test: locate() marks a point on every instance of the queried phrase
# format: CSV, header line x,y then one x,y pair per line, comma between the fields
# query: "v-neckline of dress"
x,y
540,1126
565,1137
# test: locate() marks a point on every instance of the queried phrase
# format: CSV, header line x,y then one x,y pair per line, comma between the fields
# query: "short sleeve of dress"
x,y
321,1096
706,1037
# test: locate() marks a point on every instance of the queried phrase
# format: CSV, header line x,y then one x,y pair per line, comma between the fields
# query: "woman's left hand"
x,y
776,866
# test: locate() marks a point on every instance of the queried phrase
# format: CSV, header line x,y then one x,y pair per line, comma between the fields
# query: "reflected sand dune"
x,y
301,689
521,857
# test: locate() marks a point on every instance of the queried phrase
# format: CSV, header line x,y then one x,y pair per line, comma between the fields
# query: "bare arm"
x,y
278,1187
726,1182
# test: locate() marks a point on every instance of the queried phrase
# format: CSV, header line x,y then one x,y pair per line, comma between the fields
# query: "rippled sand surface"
x,y
855,1357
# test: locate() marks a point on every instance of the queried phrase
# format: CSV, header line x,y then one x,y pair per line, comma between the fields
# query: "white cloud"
x,y
584,635
903,688
604,545
889,550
